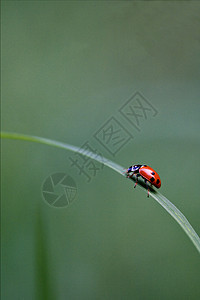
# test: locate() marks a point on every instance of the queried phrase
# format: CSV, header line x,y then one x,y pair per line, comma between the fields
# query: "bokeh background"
x,y
67,67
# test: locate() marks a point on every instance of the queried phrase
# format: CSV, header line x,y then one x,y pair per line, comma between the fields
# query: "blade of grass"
x,y
45,288
163,201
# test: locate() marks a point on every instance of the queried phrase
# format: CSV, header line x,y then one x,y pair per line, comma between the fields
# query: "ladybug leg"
x,y
136,182
147,188
129,176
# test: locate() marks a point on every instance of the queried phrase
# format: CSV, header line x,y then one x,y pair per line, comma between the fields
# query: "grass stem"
x,y
163,201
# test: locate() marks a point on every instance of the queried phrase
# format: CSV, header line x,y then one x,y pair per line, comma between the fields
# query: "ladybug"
x,y
147,173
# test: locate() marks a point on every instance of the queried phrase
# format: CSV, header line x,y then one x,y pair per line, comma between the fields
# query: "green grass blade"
x,y
163,201
45,287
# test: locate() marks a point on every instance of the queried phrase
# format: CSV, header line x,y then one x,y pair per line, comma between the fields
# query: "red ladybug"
x,y
147,173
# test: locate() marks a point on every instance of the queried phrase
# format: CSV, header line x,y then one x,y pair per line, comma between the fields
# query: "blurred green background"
x,y
67,67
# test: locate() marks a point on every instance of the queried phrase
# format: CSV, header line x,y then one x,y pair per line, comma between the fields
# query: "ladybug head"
x,y
129,169
133,168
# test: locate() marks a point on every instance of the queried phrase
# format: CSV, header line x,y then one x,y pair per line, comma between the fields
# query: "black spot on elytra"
x,y
152,179
158,181
153,173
